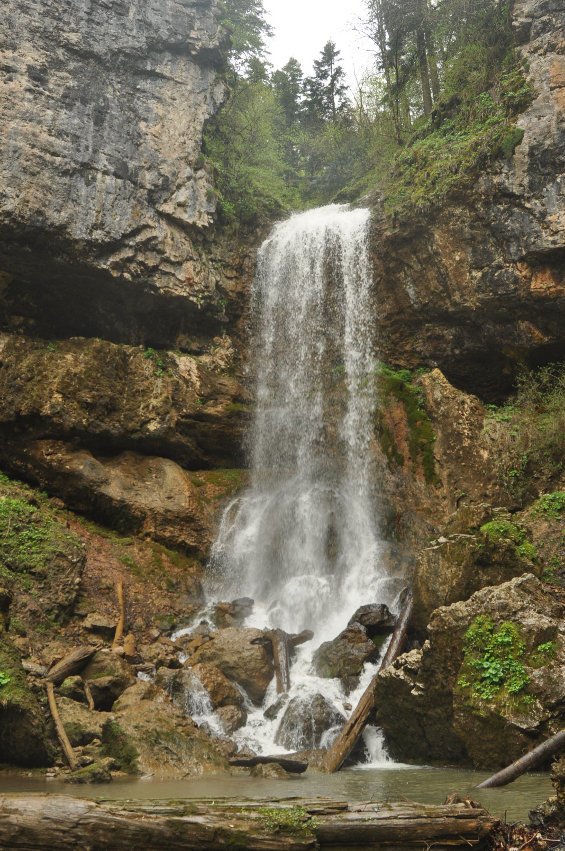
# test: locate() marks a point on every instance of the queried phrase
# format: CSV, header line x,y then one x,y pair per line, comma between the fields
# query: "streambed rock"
x,y
434,706
234,652
304,722
222,692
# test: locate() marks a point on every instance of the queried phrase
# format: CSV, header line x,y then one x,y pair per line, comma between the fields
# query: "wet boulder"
x,y
345,656
304,722
231,718
376,619
234,613
82,725
241,660
222,692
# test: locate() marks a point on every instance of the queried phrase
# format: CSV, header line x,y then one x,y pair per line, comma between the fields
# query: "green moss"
x,y
503,530
550,505
30,538
116,744
287,819
421,435
493,660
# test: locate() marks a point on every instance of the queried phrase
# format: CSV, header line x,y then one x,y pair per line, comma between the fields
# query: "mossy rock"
x,y
23,734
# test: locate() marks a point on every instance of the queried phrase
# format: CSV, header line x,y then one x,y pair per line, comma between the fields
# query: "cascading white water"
x,y
302,541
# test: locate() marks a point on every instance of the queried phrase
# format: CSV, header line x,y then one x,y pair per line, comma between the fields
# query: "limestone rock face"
x,y
428,702
101,112
233,652
221,691
478,284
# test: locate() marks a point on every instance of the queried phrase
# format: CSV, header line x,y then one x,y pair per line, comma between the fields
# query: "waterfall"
x,y
303,541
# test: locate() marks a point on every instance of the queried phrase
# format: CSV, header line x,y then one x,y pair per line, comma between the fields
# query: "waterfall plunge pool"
x,y
396,783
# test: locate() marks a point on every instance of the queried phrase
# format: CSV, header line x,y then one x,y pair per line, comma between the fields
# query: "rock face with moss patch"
x,y
487,685
23,733
454,567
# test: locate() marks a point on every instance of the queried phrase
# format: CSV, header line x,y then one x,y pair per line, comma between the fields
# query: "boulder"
x,y
231,718
73,688
345,656
82,725
304,722
376,620
156,737
487,685
239,659
234,613
108,675
222,692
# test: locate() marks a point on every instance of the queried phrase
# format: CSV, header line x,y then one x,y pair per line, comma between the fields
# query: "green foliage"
x,y
550,505
492,660
498,530
421,437
248,28
4,678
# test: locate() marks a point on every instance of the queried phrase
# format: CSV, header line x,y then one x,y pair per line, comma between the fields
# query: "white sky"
x,y
302,27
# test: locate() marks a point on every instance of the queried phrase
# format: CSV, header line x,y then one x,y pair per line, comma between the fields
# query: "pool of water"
x,y
427,785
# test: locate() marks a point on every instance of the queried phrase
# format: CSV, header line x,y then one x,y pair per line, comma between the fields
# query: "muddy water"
x,y
427,785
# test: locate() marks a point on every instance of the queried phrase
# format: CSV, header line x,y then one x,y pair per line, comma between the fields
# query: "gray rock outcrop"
x,y
102,108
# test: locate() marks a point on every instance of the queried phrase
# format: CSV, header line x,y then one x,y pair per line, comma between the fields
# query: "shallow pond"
x,y
427,785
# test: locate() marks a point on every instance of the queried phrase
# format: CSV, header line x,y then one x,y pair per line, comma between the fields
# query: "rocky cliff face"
x,y
478,286
103,190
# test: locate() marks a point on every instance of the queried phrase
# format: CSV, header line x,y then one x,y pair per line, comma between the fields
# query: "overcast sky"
x,y
302,27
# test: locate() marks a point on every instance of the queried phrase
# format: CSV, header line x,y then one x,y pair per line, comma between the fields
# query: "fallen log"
x,y
293,766
281,656
530,761
49,822
62,736
71,664
354,726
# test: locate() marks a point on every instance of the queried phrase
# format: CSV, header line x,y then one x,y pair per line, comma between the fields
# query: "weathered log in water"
x,y
529,762
293,766
45,822
354,726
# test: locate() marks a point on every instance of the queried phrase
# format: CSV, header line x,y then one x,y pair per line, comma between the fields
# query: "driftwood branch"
x,y
533,759
88,694
122,619
281,656
354,726
58,823
63,738
71,664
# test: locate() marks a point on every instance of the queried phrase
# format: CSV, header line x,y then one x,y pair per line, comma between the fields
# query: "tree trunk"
x,y
58,823
63,738
533,759
351,732
424,71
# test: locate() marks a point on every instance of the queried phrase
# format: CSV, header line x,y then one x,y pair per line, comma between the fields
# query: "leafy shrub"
x,y
493,659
